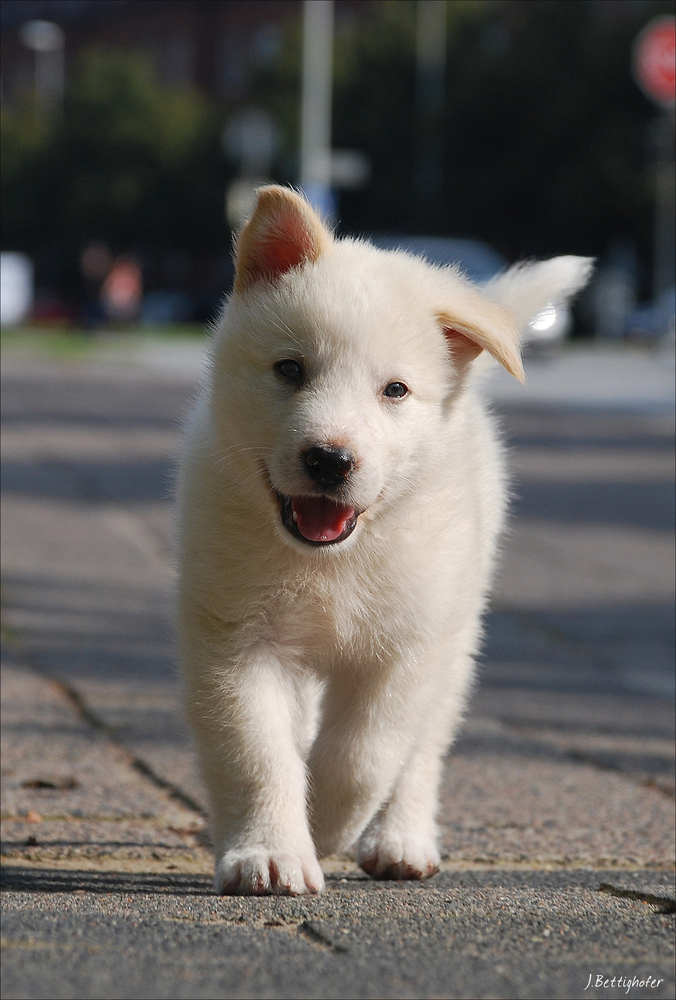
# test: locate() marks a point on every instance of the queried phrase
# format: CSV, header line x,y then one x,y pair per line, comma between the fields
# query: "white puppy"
x,y
341,493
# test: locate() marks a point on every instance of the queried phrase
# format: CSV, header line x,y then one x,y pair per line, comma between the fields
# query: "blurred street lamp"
x,y
315,138
251,138
46,40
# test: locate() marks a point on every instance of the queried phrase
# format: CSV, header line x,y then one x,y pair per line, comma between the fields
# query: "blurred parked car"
x,y
655,320
167,305
480,263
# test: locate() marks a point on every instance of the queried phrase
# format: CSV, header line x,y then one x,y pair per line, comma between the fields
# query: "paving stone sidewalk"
x,y
557,804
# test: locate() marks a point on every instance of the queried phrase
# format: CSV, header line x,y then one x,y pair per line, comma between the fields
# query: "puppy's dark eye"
x,y
395,390
290,370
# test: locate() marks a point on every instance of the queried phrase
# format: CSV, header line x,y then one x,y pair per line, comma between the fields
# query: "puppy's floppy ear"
x,y
528,287
282,233
493,317
474,324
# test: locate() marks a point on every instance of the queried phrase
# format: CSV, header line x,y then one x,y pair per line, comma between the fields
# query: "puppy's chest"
x,y
328,628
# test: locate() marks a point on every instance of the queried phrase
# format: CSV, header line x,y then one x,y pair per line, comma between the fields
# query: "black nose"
x,y
328,466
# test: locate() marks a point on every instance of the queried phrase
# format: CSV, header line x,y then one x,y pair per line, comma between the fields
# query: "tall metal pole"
x,y
665,215
430,94
315,142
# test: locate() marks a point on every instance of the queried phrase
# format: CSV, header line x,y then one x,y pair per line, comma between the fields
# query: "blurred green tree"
x,y
26,174
128,159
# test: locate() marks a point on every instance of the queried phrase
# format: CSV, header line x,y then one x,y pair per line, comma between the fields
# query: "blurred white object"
x,y
350,169
47,40
240,199
549,326
41,36
16,288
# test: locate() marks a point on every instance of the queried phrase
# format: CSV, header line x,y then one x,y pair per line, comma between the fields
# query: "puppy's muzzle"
x,y
322,518
330,466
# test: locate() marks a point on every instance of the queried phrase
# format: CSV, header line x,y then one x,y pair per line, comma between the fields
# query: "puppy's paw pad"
x,y
398,858
384,868
259,872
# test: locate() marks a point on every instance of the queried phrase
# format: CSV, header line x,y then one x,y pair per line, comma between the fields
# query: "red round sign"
x,y
655,61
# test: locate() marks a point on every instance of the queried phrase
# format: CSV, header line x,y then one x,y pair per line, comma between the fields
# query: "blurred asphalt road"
x,y
557,806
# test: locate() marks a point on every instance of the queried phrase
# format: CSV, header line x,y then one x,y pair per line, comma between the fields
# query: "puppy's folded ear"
x,y
282,233
474,325
493,317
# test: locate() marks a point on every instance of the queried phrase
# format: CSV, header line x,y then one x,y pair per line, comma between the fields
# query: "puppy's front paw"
x,y
263,872
392,855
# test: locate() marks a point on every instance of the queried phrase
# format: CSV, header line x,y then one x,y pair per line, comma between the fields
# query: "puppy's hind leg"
x,y
401,841
367,729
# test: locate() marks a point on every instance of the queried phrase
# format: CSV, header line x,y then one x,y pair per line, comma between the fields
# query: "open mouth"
x,y
317,520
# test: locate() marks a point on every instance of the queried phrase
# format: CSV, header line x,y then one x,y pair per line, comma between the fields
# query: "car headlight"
x,y
550,323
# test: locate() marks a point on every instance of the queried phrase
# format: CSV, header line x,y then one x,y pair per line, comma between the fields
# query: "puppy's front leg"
x,y
247,720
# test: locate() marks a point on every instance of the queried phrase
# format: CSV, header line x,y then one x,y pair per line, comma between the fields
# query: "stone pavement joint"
x,y
88,715
647,782
174,791
667,904
316,934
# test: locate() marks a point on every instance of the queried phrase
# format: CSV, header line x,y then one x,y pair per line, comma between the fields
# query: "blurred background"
x,y
133,135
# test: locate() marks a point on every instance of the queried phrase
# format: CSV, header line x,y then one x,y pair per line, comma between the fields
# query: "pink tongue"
x,y
319,519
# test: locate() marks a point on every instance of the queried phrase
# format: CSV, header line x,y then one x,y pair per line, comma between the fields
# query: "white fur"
x,y
527,288
325,684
